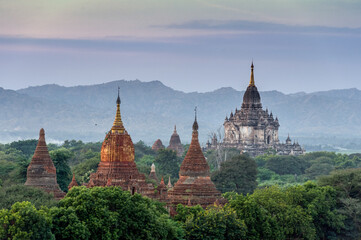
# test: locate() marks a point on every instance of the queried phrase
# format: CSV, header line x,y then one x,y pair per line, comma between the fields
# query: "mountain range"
x,y
150,110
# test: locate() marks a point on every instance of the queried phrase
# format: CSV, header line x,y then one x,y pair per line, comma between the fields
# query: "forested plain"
x,y
313,196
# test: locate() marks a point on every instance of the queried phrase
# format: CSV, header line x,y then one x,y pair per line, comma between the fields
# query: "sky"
x,y
198,45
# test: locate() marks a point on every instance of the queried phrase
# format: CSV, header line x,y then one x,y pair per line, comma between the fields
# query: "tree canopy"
x,y
238,174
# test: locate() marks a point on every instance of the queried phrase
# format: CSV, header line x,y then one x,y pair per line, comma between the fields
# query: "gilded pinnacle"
x,y
118,124
251,82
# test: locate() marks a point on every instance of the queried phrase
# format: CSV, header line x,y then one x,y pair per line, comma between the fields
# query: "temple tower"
x,y
194,184
41,172
157,145
117,166
175,143
252,129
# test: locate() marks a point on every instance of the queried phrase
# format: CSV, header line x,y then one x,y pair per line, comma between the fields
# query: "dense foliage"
x,y
238,174
313,196
18,193
290,170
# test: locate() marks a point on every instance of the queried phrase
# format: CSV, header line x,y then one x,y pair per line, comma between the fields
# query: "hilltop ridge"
x,y
151,109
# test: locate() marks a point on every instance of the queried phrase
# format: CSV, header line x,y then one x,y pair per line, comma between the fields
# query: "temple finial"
x,y
251,82
118,124
118,99
195,124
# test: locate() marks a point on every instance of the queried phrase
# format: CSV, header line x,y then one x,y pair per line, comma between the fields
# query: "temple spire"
x,y
169,183
195,124
251,82
118,124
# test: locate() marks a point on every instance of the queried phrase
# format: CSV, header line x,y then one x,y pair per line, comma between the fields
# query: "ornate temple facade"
x,y
253,130
41,171
175,143
194,185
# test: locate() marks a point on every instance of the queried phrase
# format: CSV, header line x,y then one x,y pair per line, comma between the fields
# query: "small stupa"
x,y
41,171
158,145
169,185
175,143
194,185
73,183
152,174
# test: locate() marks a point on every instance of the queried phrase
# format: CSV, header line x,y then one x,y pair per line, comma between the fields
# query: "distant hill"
x,y
150,110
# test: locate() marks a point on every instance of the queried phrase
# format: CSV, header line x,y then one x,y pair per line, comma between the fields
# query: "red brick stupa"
x,y
73,183
158,145
41,171
194,185
117,166
175,143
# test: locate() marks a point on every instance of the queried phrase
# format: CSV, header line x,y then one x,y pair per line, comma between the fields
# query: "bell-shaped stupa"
x,y
117,166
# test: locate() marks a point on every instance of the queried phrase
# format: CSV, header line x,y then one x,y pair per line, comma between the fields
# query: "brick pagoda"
x,y
194,185
73,183
158,145
41,172
175,143
117,166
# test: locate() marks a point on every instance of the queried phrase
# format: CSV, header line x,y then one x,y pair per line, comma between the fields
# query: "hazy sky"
x,y
296,45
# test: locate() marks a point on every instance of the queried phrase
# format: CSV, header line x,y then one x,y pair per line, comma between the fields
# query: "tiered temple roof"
x,y
194,185
41,172
117,166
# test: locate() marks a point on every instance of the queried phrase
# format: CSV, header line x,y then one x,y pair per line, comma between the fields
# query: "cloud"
x,y
105,45
263,27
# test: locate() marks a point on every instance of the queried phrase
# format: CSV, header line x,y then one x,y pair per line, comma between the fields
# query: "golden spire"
x,y
118,124
251,82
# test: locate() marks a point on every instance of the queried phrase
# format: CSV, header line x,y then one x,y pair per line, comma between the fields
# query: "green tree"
x,y
287,165
268,215
144,163
347,183
24,221
321,204
67,226
27,147
167,162
214,223
83,169
141,149
318,169
17,193
110,213
238,174
60,159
